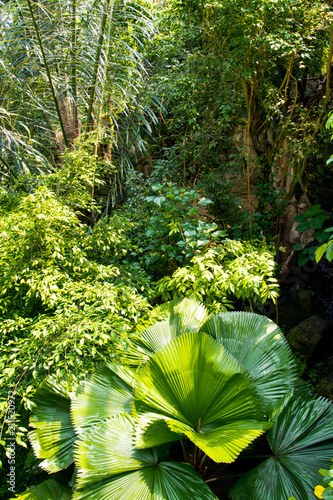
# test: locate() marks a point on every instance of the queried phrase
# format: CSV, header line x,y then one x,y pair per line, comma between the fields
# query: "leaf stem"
x,y
48,73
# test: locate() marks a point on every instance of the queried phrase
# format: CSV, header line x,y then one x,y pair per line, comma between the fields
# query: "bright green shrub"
x,y
223,273
63,304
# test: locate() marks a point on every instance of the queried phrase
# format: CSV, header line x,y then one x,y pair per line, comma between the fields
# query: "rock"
x,y
302,302
305,337
325,387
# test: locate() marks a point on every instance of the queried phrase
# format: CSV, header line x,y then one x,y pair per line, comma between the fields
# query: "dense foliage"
x,y
150,152
213,383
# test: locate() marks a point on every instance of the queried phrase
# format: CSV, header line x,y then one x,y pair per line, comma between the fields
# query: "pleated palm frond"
x,y
48,490
301,442
109,466
53,435
193,387
260,346
60,416
175,318
104,395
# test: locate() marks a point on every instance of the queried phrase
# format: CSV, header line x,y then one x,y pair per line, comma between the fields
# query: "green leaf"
x,y
321,235
320,252
261,348
328,494
159,200
301,442
197,388
109,466
105,395
180,316
48,490
303,226
303,258
53,435
317,222
329,252
313,211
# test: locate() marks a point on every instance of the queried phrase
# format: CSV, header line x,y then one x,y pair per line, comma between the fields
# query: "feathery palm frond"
x,y
71,66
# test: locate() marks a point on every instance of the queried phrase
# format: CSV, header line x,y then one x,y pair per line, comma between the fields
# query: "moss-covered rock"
x,y
305,337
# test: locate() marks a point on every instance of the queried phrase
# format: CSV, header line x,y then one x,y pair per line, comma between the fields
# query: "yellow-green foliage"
x,y
233,269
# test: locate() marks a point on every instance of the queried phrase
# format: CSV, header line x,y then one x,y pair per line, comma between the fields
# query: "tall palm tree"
x,y
68,68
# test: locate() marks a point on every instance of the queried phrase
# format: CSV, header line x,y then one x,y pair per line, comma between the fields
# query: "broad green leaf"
x,y
197,388
103,396
329,252
48,490
261,348
301,442
328,494
183,315
303,226
313,211
320,252
109,466
53,435
179,316
318,222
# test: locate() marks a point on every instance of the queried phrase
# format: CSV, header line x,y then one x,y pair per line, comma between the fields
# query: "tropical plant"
x,y
212,384
224,273
257,71
174,230
68,68
65,299
313,219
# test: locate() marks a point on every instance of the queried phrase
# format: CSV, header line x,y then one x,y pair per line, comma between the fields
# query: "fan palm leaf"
x,y
199,391
48,490
109,466
178,317
53,435
301,442
104,395
260,346
60,416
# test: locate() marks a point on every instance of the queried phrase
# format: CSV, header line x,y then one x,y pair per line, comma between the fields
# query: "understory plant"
x,y
224,273
313,220
65,300
325,489
171,230
194,391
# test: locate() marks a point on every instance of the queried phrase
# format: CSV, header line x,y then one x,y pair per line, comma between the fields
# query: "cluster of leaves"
x,y
209,384
228,72
170,231
197,113
226,272
325,490
313,220
64,301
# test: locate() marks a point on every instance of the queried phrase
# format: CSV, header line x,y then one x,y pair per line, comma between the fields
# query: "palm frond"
x,y
260,346
198,389
178,317
53,435
301,442
109,466
103,396
48,490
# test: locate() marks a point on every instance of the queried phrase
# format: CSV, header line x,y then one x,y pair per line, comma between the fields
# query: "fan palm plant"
x,y
213,384
68,68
